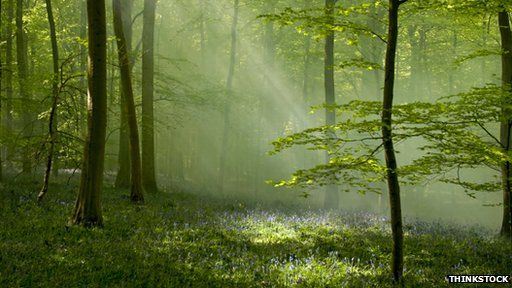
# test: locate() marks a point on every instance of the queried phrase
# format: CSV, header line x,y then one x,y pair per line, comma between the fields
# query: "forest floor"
x,y
181,240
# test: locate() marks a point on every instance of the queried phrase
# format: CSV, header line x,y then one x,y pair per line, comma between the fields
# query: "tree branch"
x,y
490,134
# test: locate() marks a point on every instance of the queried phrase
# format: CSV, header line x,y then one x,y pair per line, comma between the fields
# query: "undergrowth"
x,y
179,240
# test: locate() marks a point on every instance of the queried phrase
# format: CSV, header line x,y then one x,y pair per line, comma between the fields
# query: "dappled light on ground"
x,y
177,240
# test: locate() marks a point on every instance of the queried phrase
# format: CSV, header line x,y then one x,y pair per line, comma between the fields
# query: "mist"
x,y
278,77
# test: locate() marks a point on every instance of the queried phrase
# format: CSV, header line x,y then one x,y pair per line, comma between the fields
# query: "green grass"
x,y
179,240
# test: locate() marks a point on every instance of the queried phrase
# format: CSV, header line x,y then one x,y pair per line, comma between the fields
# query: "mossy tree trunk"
x,y
136,192
87,210
123,172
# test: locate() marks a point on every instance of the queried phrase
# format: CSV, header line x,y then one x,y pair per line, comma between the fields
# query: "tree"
x,y
87,210
22,59
506,122
136,192
331,192
55,99
148,137
7,74
123,172
1,72
387,140
229,88
203,4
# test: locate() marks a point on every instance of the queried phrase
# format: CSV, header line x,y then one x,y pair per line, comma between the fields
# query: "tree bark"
x,y
148,130
2,36
229,88
55,99
202,32
387,138
331,200
137,194
87,210
8,77
506,122
22,58
123,172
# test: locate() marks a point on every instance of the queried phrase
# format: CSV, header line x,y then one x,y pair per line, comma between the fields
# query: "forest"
x,y
255,143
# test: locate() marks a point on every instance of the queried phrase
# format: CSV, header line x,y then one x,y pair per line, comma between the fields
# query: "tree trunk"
x,y
483,63
83,64
126,82
202,32
148,130
331,200
123,172
387,138
415,77
307,64
8,77
372,50
506,122
229,88
2,35
21,55
55,99
88,204
451,80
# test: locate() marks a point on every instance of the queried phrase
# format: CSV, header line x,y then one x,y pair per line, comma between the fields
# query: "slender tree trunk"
x,y
229,88
307,66
264,106
305,87
387,138
372,51
137,194
485,35
202,31
2,36
8,77
123,172
269,88
424,69
506,122
270,47
451,82
52,133
415,76
21,54
88,204
148,130
331,200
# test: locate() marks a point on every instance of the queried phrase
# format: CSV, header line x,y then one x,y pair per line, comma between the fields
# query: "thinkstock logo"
x,y
478,279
